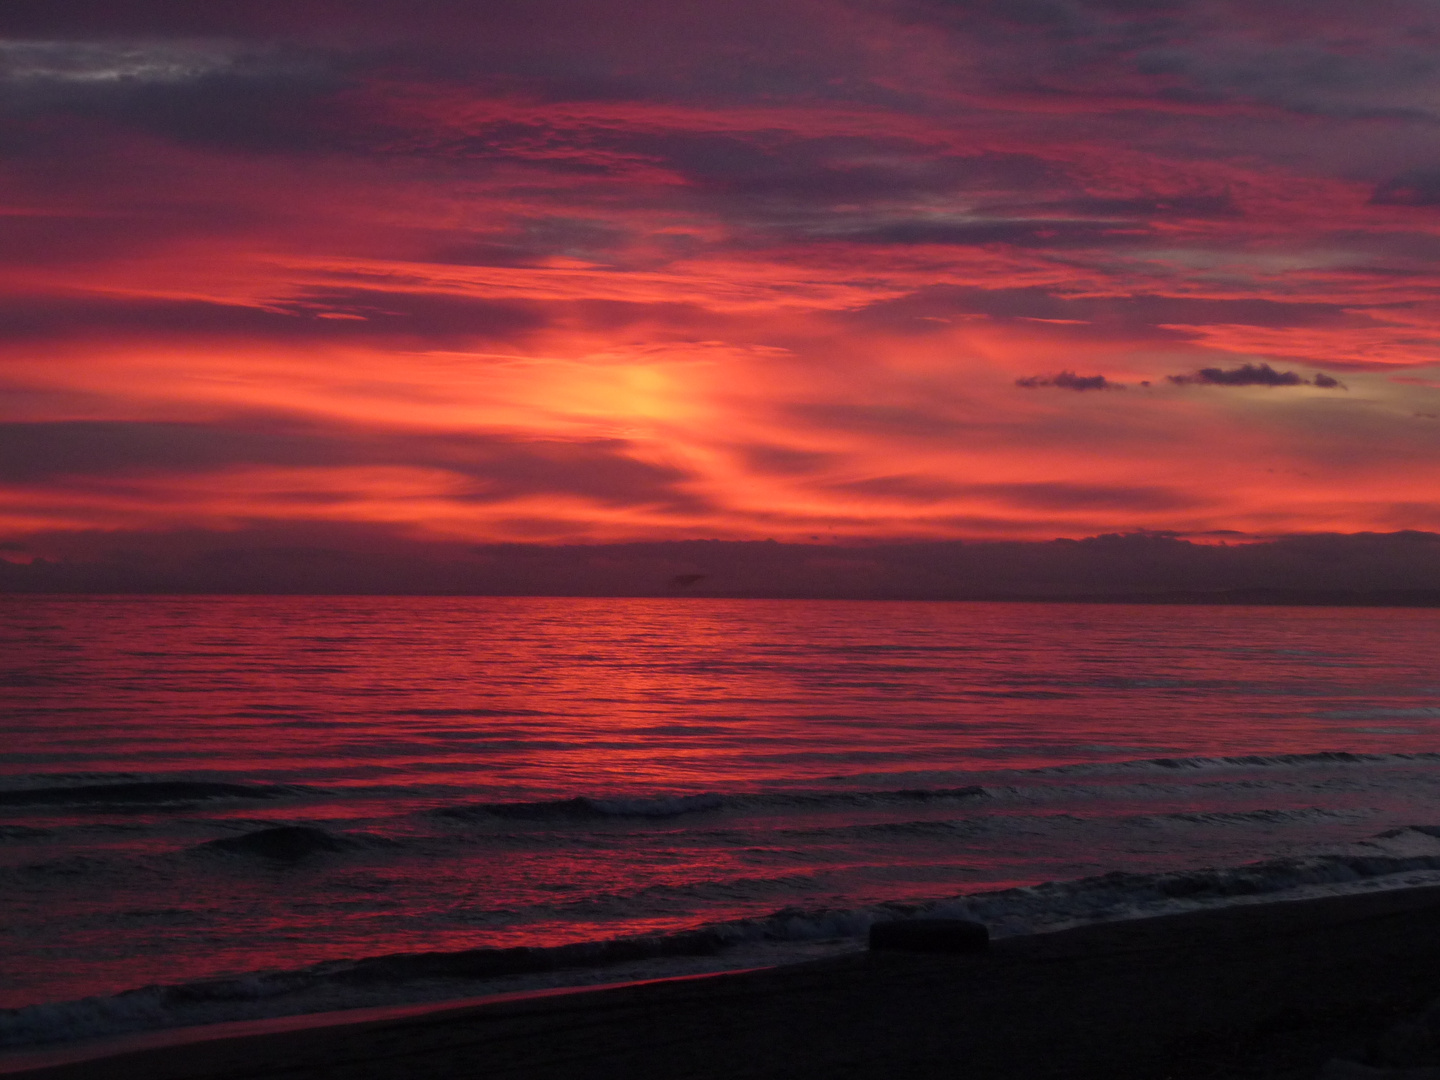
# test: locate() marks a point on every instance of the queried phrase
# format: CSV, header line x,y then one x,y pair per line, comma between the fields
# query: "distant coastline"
x,y
1399,569
1406,598
1388,598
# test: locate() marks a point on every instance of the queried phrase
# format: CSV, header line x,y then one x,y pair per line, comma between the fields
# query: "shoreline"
x,y
175,1038
544,980
1262,989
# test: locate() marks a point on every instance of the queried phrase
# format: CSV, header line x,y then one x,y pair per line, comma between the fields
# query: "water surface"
x,y
467,773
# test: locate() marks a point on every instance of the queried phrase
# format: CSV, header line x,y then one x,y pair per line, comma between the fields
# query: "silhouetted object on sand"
x,y
930,936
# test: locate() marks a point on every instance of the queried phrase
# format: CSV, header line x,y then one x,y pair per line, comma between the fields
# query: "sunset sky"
x,y
586,270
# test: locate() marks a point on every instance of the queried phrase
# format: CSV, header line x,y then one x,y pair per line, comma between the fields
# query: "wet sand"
x,y
1265,990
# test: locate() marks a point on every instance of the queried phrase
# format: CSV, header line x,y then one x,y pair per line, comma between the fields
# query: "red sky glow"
x,y
572,271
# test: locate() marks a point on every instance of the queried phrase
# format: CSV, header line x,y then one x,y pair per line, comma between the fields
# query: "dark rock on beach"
x,y
930,936
1407,1050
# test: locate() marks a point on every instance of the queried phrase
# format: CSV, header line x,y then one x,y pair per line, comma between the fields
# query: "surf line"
x,y
114,1045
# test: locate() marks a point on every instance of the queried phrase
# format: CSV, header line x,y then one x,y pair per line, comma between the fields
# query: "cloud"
x,y
39,451
1071,496
777,265
775,460
1041,234
1041,495
848,170
1135,207
1148,310
1412,189
212,93
916,489
151,18
1282,58
919,421
1253,375
105,64
1068,380
497,467
308,315
1245,375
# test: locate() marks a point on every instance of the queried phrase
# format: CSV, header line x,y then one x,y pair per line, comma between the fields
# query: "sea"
x,y
228,808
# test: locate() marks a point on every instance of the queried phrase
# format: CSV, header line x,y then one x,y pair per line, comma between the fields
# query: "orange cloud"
x,y
585,297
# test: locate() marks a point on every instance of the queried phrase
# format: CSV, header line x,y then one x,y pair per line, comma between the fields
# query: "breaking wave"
x,y
1388,860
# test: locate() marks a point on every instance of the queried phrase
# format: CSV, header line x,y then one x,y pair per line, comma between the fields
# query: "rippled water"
x,y
462,773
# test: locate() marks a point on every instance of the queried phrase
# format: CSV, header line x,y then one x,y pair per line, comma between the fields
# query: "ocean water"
x,y
216,808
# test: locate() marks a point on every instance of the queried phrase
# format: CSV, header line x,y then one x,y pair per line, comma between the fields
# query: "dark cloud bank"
x,y
1366,568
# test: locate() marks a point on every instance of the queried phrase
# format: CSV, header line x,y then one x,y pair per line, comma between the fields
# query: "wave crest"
x,y
590,808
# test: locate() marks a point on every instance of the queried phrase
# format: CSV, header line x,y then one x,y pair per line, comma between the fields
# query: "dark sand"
x,y
1265,990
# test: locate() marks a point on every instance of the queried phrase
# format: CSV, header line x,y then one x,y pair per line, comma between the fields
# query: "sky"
x,y
835,271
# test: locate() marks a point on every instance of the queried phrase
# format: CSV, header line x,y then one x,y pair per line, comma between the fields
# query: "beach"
x,y
1260,990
